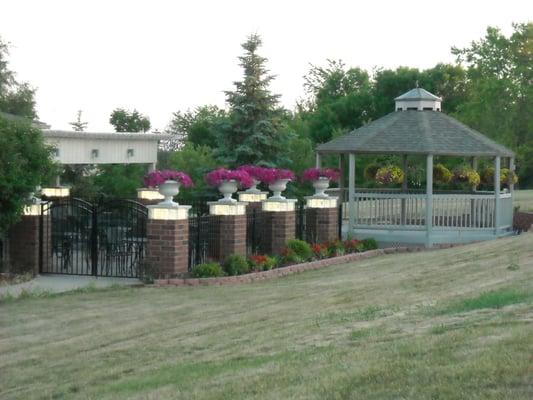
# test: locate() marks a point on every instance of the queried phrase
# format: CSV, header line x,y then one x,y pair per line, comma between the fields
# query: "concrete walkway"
x,y
63,283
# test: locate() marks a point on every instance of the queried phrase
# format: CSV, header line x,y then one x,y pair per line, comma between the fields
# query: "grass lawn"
x,y
446,324
524,199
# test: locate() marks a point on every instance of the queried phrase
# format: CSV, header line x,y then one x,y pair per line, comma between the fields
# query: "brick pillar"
x,y
149,196
231,230
279,224
25,241
322,219
167,250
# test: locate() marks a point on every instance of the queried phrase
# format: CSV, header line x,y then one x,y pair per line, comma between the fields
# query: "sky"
x,y
165,56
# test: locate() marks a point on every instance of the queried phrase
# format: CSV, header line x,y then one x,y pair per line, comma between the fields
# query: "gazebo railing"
x,y
375,210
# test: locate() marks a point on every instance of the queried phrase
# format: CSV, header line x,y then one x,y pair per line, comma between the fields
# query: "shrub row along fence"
x,y
204,230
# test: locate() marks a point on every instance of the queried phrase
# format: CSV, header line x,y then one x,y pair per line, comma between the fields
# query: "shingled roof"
x,y
417,94
416,132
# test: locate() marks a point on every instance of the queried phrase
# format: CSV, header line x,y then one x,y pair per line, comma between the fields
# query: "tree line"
x,y
488,87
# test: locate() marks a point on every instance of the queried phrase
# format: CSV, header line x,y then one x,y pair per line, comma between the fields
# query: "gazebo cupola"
x,y
417,99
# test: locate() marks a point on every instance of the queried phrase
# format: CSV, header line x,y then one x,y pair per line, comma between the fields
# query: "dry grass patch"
x,y
370,330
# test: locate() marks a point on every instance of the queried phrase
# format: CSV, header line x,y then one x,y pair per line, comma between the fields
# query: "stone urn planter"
x,y
320,185
169,189
253,189
227,188
277,187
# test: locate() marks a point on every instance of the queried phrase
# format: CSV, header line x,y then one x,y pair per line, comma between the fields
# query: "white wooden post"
x,y
496,194
151,167
351,191
429,199
317,160
342,195
511,172
404,190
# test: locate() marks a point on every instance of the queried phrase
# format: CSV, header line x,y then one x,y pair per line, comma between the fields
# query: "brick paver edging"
x,y
291,269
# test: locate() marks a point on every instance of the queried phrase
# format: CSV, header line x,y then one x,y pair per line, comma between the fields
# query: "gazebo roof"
x,y
417,94
416,132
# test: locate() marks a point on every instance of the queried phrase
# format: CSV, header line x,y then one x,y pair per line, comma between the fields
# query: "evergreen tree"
x,y
78,125
255,131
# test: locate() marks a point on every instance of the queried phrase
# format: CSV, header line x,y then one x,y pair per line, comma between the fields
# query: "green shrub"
x,y
370,244
300,248
289,256
207,270
336,248
235,265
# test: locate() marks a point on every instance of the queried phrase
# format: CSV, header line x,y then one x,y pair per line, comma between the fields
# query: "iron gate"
x,y
104,239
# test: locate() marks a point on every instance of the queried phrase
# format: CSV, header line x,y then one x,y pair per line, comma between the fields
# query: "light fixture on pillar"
x,y
274,205
168,213
55,192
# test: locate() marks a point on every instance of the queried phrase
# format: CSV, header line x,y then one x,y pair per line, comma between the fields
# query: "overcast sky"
x,y
165,56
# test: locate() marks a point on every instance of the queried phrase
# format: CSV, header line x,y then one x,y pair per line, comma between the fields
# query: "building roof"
x,y
417,94
52,133
416,132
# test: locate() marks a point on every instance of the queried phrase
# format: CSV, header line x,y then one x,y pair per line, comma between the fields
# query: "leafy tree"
x,y
78,125
120,181
198,127
254,132
25,162
129,121
340,100
389,84
16,98
195,160
500,90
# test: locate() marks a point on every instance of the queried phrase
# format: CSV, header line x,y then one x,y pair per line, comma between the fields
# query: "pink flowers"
x,y
252,170
157,177
217,176
271,175
312,174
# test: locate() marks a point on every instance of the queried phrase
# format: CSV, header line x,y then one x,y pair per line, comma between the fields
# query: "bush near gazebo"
x,y
488,176
441,174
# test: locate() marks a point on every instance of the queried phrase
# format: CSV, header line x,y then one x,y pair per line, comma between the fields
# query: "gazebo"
x,y
417,127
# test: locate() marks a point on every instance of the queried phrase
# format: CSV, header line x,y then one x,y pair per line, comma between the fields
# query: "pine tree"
x,y
255,131
79,126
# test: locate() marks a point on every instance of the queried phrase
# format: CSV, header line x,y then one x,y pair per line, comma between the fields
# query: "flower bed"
x,y
218,176
313,174
290,269
157,177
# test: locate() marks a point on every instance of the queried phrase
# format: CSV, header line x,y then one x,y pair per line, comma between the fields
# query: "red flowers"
x,y
217,176
313,174
156,178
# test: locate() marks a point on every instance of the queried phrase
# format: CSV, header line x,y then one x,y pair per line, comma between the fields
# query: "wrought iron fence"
x,y
300,228
203,238
106,239
254,225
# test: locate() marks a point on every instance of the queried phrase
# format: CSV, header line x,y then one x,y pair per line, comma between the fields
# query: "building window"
x,y
94,153
399,109
428,108
130,153
412,108
55,152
